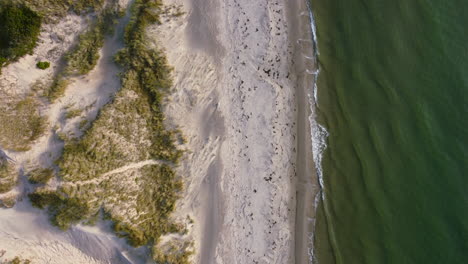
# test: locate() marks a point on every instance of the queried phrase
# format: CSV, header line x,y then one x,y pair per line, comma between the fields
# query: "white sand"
x,y
234,99
26,232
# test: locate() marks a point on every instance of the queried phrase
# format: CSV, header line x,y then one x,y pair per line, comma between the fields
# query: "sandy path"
x,y
132,166
108,175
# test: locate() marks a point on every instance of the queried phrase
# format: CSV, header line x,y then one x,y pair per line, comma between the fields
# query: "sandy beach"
x,y
241,98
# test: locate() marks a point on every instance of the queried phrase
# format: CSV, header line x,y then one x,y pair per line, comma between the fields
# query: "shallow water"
x,y
392,94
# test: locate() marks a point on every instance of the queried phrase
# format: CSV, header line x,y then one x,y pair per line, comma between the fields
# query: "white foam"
x,y
314,72
310,251
313,27
318,133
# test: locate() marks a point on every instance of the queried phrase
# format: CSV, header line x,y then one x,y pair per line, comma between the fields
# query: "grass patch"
x,y
8,201
175,252
83,123
18,260
52,10
8,177
86,5
85,55
21,123
72,113
40,176
57,88
83,58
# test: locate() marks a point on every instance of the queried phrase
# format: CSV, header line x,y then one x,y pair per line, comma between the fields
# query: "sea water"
x,y
392,97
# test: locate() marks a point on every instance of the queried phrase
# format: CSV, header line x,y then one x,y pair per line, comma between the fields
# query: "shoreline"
x,y
307,183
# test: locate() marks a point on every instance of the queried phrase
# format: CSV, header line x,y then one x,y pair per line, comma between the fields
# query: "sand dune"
x,y
26,231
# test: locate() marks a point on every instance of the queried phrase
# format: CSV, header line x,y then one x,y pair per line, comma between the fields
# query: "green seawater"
x,y
393,95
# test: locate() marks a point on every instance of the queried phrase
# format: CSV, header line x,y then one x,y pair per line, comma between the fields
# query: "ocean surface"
x,y
393,96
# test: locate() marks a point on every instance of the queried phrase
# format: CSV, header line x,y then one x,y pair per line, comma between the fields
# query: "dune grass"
x,y
83,57
40,175
63,211
53,10
18,260
8,178
128,130
21,123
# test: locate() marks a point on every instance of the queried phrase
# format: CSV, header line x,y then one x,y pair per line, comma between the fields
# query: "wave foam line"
x,y
313,27
318,133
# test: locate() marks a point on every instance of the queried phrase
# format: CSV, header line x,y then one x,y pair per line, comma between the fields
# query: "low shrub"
x,y
43,65
19,31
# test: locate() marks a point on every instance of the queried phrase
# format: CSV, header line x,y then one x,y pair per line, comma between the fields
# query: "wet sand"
x,y
307,182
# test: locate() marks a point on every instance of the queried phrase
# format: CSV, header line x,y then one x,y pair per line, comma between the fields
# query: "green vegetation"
x,y
20,24
7,177
18,260
63,211
57,88
86,5
8,201
83,123
21,124
43,65
85,55
19,31
40,176
93,169
52,10
173,11
147,75
72,113
177,252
